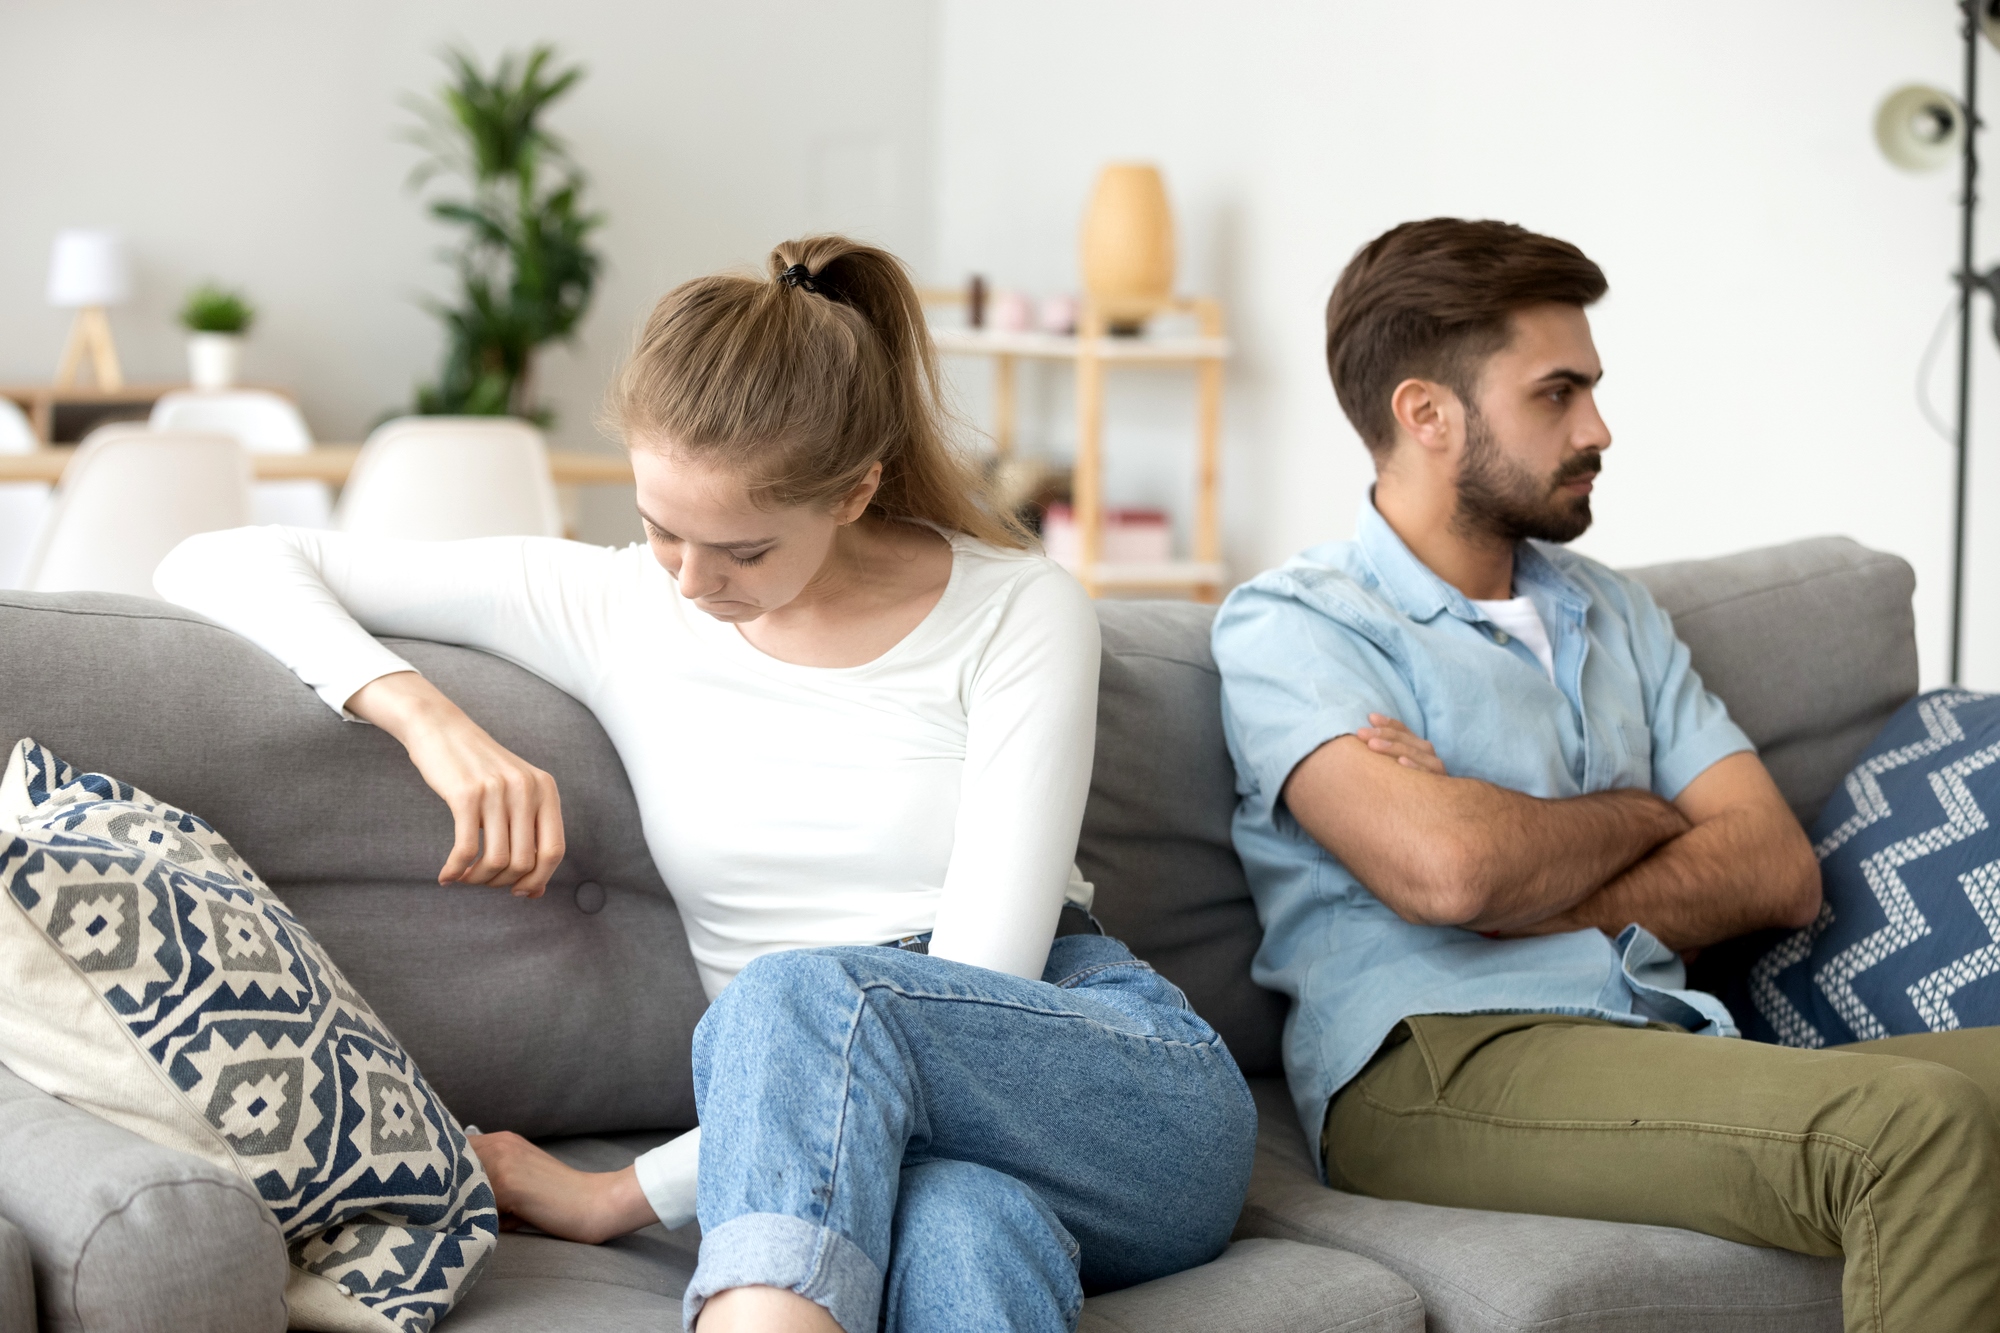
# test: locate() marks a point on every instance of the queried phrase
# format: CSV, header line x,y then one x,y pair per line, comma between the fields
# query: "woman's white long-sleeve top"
x,y
939,787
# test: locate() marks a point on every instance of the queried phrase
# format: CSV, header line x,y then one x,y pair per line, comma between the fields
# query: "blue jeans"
x,y
918,1144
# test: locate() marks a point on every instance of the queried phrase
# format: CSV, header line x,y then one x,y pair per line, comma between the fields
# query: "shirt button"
x,y
1500,637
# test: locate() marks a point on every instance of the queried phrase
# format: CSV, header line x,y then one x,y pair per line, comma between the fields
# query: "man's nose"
x,y
1595,434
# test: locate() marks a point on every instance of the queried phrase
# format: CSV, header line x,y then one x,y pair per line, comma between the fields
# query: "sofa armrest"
x,y
17,1281
124,1234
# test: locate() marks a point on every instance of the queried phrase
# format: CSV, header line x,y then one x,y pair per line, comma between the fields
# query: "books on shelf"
x,y
1131,537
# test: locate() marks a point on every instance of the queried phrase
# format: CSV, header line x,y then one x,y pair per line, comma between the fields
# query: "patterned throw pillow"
x,y
149,976
1908,939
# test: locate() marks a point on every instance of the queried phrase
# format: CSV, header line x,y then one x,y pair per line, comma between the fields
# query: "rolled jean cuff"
x,y
779,1250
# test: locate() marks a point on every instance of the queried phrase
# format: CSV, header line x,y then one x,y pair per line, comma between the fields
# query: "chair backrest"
x,y
130,496
23,504
16,435
443,478
266,423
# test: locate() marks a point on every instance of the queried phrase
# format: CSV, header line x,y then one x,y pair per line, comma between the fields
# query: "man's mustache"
x,y
1583,465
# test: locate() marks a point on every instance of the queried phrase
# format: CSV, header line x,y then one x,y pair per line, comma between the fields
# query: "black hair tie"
x,y
798,275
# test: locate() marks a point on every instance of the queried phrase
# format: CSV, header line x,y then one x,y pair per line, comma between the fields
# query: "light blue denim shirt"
x,y
1309,650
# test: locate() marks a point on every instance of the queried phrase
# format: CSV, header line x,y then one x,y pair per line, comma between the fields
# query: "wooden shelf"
x,y
1068,347
1093,351
329,463
64,415
1183,574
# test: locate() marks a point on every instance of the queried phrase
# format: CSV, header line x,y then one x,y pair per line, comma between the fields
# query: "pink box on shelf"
x,y
1131,537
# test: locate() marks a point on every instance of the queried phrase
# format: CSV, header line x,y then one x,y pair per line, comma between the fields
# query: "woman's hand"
x,y
507,818
533,1187
1390,737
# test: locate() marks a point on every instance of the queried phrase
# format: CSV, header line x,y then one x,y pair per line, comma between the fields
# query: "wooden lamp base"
x,y
90,335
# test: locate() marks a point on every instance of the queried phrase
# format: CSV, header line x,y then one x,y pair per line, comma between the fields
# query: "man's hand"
x,y
1448,851
1743,865
1389,736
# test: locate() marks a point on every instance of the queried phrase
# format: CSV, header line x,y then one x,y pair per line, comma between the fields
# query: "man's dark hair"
x,y
1430,300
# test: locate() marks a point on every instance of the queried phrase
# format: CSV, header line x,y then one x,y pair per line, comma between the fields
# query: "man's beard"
x,y
1497,497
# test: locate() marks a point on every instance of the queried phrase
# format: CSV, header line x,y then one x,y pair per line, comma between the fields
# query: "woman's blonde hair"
x,y
802,380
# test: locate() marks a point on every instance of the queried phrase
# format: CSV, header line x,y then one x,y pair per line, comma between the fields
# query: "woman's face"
x,y
732,559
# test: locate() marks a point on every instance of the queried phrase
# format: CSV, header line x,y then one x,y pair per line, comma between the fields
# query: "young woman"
x,y
856,713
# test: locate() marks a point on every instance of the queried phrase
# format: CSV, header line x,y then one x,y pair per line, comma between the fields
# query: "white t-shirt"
x,y
1518,616
939,787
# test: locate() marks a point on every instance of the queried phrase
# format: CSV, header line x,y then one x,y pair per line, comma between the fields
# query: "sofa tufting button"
x,y
590,897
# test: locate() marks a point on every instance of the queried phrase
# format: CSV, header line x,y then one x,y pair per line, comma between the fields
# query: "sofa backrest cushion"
x,y
570,1014
575,1014
1813,645
1156,831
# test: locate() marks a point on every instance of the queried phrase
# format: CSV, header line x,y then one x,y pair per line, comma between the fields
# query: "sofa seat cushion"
x,y
17,1281
537,1284
1264,1286
1484,1272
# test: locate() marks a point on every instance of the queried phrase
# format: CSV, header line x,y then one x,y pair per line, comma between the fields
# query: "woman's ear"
x,y
1425,412
855,503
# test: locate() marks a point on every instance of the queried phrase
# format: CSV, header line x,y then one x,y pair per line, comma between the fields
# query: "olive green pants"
x,y
1887,1152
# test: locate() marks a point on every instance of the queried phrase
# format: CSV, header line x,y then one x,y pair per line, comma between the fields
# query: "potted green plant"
x,y
525,264
216,320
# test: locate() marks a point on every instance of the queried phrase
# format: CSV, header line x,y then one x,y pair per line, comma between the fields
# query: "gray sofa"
x,y
569,1018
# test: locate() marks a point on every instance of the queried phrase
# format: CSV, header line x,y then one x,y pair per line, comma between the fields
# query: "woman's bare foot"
x,y
763,1310
589,1206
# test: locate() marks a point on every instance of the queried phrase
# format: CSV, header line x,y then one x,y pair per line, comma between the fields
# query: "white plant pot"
x,y
213,359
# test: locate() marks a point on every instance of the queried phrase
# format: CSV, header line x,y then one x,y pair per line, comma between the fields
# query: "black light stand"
x,y
1968,203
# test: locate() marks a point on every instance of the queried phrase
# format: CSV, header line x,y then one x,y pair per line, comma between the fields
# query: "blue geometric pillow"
x,y
149,976
1908,938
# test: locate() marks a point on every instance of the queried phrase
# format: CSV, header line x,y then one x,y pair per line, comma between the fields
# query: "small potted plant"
x,y
216,321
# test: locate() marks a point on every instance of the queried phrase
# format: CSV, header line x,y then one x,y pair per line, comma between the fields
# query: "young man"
x,y
1486,805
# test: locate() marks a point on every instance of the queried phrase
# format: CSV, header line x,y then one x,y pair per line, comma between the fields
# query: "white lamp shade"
x,y
88,268
1919,128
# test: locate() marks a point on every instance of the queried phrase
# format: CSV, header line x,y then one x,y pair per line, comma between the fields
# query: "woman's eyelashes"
x,y
665,538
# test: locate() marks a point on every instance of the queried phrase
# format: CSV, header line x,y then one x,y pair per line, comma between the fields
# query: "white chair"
x,y
266,423
24,505
130,496
443,478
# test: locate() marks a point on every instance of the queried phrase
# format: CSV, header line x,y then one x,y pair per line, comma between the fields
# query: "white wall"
x,y
257,143
1773,281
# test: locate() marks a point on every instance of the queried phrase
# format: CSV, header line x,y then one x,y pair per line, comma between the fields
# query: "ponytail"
x,y
802,381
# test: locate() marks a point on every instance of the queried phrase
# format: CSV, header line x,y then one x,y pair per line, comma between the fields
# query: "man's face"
x,y
1532,433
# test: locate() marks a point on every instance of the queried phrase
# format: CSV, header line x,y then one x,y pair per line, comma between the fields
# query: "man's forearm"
x,y
1447,851
1544,857
1734,873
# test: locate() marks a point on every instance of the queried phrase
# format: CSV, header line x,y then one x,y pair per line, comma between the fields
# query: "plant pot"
x,y
1128,245
213,359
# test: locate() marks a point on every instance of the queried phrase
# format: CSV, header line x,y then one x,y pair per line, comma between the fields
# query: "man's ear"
x,y
1427,413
